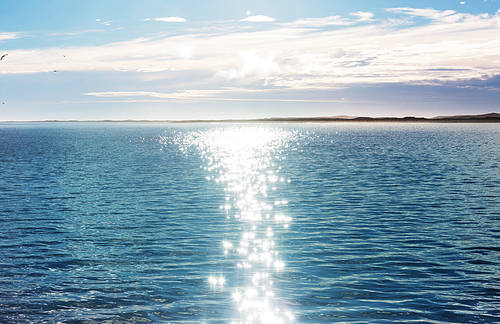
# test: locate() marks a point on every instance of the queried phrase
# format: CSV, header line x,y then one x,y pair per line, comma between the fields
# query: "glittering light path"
x,y
244,160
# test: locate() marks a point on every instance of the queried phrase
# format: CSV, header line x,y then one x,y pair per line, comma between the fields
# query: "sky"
x,y
171,60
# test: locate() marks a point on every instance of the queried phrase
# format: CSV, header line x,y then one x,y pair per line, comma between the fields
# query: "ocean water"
x,y
249,223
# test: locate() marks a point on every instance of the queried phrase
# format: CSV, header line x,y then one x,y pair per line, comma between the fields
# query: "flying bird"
x,y
1,57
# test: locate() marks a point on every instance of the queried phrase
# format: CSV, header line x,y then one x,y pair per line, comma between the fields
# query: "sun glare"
x,y
241,159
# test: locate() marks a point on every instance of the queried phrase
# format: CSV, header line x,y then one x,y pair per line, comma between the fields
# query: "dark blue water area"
x,y
117,222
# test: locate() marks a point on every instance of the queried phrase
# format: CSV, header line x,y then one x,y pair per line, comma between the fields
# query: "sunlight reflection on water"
x,y
243,160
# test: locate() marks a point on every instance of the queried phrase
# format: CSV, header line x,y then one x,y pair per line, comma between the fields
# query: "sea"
x,y
249,223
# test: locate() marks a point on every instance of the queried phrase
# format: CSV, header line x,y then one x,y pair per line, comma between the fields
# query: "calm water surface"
x,y
227,223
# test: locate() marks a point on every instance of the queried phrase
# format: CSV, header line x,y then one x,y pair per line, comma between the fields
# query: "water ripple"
x,y
138,223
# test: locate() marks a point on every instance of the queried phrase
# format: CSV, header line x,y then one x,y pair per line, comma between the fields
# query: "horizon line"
x,y
487,117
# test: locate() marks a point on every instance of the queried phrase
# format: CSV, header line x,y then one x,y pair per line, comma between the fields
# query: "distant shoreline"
x,y
484,118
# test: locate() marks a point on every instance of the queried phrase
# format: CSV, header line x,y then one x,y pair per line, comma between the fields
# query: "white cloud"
x,y
451,47
363,15
164,95
258,18
170,19
7,36
174,95
426,13
82,32
236,94
320,22
185,51
105,23
442,16
252,65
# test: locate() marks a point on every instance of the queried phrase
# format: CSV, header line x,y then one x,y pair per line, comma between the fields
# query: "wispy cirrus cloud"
x,y
225,94
363,15
103,22
427,12
451,47
320,22
174,95
83,32
168,19
443,16
8,36
258,18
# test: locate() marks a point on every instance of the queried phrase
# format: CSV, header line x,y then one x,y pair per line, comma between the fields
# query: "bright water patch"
x,y
245,160
314,223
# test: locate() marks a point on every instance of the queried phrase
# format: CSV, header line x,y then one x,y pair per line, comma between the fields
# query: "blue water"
x,y
274,223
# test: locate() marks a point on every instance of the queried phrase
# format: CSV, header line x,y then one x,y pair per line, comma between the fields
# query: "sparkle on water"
x,y
242,159
115,223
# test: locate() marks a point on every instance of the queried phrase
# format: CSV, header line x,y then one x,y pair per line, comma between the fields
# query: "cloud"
x,y
174,95
449,16
320,22
188,94
451,47
445,16
252,65
258,18
105,23
169,19
8,36
363,15
236,94
427,13
83,32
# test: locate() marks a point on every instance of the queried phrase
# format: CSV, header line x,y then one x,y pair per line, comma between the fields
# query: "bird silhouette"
x,y
1,57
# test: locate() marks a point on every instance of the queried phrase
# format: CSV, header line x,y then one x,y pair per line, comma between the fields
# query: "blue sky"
x,y
246,59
